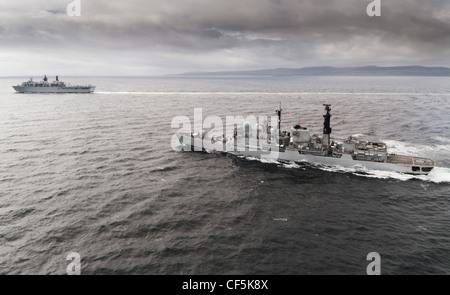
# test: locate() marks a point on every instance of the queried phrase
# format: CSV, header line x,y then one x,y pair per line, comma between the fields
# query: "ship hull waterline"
x,y
21,89
345,161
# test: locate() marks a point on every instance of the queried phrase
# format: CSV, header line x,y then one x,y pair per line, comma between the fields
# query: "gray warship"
x,y
299,146
52,87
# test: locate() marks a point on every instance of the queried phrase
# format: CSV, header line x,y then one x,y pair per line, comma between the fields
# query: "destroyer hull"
x,y
22,89
414,165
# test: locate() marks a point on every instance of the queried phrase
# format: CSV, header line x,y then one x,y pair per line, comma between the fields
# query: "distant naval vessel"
x,y
298,145
54,87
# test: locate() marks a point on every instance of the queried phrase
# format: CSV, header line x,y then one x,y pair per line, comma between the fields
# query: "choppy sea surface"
x,y
96,174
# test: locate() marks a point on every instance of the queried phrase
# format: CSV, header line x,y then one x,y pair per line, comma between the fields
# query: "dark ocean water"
x,y
96,174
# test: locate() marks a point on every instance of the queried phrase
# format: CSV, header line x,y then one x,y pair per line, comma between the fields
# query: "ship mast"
x,y
279,120
326,126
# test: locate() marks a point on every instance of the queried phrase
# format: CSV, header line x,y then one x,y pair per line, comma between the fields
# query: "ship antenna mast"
x,y
279,120
326,125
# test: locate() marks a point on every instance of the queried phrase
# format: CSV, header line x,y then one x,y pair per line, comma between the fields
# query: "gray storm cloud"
x,y
161,37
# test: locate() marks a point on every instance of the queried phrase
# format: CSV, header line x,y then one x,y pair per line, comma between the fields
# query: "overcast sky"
x,y
158,37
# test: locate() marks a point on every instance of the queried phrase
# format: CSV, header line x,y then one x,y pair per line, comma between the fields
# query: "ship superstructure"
x,y
56,86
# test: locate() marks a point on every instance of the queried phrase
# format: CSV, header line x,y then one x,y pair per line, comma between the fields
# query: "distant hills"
x,y
332,71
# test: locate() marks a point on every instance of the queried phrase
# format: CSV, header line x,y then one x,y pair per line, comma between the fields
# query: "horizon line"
x,y
192,73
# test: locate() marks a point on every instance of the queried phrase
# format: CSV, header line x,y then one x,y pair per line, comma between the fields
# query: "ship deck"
x,y
409,160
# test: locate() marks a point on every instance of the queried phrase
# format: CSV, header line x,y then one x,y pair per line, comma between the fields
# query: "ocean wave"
x,y
442,139
411,149
437,175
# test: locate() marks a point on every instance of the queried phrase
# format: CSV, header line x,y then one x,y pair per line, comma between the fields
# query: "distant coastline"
x,y
330,71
